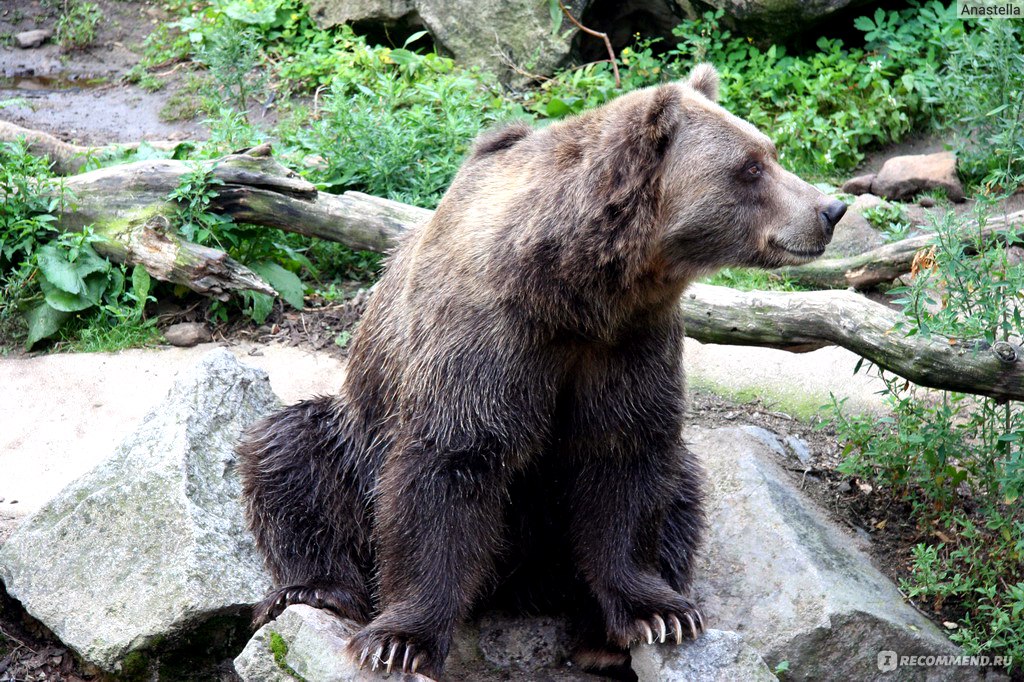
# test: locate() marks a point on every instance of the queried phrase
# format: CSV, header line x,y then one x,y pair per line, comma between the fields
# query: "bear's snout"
x,y
830,216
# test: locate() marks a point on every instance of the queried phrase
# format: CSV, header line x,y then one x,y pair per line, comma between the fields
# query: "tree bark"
x,y
887,262
256,190
805,321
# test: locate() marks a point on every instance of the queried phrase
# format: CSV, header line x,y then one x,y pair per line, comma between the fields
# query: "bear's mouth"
x,y
799,253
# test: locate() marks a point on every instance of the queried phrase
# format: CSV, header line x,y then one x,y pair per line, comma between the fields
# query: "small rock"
x,y
859,185
799,449
30,39
717,656
509,642
187,334
905,176
926,201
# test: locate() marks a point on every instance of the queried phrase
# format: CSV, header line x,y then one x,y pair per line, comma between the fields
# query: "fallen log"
x,y
260,191
66,158
890,261
256,189
805,321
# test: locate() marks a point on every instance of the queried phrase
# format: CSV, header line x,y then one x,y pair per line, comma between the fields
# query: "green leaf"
x,y
57,271
403,57
286,282
92,289
555,11
89,261
557,108
262,304
252,12
413,38
141,282
43,322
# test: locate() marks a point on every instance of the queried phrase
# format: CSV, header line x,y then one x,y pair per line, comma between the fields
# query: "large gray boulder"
x,y
773,19
475,32
151,543
777,571
309,644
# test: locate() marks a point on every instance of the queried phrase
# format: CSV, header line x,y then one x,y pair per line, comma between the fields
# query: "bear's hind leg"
x,y
306,494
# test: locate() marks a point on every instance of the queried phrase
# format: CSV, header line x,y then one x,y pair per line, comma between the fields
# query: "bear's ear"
x,y
704,79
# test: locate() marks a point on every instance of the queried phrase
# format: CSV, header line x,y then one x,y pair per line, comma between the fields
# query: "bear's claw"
x,y
410,662
656,627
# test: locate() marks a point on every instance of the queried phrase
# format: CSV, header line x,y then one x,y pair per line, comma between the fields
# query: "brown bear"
x,y
509,427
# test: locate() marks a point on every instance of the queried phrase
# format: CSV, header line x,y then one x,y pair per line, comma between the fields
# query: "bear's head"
x,y
725,200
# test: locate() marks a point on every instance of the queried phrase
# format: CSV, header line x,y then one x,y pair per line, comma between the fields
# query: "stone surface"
x,y
859,185
152,542
904,176
30,39
64,413
717,656
854,234
187,334
500,649
773,19
778,572
473,31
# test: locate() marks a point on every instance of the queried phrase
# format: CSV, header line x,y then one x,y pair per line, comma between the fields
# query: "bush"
x,y
959,459
984,105
398,129
76,27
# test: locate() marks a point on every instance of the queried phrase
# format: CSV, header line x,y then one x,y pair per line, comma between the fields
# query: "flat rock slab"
x,y
777,571
717,656
309,644
152,543
65,413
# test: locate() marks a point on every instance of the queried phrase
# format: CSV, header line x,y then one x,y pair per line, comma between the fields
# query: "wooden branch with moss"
x,y
891,261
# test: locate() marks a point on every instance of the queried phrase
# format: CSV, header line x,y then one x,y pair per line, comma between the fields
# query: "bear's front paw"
x,y
686,621
384,647
650,611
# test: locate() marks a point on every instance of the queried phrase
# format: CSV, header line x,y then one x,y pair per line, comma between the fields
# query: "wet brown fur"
x,y
509,429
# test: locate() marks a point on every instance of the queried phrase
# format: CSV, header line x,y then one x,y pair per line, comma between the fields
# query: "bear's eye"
x,y
753,170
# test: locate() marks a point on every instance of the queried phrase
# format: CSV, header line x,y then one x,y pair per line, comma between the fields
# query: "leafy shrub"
x,y
950,453
826,107
399,130
984,104
76,27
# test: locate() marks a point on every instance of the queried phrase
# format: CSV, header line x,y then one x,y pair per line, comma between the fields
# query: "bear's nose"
x,y
831,215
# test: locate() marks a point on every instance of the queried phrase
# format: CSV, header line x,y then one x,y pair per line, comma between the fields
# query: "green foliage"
x,y
984,104
399,131
29,200
76,27
890,219
254,247
948,452
823,109
751,279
